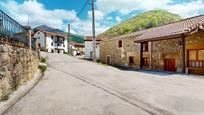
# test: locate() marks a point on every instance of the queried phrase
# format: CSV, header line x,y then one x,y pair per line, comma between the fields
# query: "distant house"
x,y
89,48
76,48
175,47
53,42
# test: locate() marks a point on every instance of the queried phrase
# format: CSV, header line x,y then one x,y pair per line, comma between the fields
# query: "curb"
x,y
20,93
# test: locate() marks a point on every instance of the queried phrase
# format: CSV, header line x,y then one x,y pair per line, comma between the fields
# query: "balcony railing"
x,y
12,31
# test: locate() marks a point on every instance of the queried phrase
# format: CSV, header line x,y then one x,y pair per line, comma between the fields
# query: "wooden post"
x,y
183,54
141,55
30,38
151,49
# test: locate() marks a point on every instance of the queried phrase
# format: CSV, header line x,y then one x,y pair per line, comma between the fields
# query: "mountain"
x,y
142,21
49,29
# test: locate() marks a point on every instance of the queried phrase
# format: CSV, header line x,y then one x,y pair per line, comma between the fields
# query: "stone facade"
x,y
17,65
158,52
119,56
166,49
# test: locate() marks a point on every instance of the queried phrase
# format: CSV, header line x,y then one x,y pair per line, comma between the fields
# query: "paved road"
x,y
77,87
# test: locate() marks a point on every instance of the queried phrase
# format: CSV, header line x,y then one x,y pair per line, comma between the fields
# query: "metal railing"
x,y
12,31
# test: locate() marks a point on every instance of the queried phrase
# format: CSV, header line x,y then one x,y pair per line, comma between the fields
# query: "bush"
x,y
43,60
5,97
42,68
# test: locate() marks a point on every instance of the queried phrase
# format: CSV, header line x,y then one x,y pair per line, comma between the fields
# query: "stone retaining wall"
x,y
17,65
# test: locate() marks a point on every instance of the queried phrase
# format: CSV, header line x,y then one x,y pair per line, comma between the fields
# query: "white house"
x,y
51,41
89,48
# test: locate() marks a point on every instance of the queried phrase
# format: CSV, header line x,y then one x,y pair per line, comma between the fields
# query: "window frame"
x,y
145,47
195,63
120,44
131,60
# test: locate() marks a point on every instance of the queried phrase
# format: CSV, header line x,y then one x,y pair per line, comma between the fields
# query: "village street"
x,y
77,87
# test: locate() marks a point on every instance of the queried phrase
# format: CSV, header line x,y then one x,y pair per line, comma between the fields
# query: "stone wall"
x,y
17,65
120,56
166,49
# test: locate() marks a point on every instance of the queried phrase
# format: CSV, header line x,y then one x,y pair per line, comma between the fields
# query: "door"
x,y
170,65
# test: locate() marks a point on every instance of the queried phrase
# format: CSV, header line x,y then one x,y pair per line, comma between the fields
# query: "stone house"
x,y
175,47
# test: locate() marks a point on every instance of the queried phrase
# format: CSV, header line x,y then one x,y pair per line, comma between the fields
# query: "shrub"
x,y
42,68
43,60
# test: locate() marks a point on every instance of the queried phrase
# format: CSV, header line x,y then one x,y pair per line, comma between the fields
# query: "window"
x,y
51,44
192,55
131,60
201,55
38,37
38,32
145,47
196,58
120,44
51,37
145,61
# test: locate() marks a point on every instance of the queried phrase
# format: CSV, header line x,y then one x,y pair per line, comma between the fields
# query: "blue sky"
x,y
58,13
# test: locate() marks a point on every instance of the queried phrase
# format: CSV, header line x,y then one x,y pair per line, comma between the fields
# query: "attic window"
x,y
120,44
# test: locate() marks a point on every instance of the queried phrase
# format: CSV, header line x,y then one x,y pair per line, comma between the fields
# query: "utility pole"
x,y
68,40
93,29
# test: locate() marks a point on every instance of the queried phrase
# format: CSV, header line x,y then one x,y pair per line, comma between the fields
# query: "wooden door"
x,y
170,65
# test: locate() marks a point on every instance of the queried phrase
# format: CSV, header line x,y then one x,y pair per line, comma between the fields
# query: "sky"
x,y
59,13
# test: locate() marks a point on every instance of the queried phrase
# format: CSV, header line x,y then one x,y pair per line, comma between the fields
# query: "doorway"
x,y
170,65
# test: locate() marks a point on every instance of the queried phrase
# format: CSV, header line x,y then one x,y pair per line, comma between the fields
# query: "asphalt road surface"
x,y
77,87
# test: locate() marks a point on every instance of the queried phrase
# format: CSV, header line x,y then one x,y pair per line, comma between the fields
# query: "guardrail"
x,y
11,31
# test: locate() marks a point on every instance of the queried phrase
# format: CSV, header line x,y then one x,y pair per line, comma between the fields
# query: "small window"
x,y
145,47
131,60
51,44
38,37
120,44
38,32
51,37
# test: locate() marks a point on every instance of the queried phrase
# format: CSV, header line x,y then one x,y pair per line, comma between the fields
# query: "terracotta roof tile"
x,y
177,28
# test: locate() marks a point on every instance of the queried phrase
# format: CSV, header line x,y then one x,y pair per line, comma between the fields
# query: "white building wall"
x,y
89,49
40,39
47,42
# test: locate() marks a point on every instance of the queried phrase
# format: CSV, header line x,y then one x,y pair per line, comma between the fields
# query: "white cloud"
x,y
127,6
185,9
98,15
37,13
118,19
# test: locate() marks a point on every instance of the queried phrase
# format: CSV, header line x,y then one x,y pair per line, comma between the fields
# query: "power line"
x,y
81,10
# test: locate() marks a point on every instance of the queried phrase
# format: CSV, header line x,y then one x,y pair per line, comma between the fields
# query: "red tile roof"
x,y
176,29
90,38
